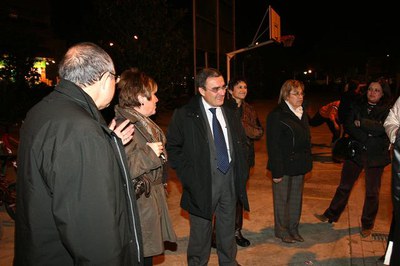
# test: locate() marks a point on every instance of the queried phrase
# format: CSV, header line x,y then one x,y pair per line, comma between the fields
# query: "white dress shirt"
x,y
221,120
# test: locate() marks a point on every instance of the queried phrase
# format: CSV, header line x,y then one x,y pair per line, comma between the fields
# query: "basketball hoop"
x,y
287,40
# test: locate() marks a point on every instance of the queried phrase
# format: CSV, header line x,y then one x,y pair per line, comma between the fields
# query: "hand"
x,y
124,132
165,185
141,184
157,147
337,127
277,180
357,123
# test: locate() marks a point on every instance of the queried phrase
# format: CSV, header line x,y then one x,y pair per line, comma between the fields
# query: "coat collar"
x,y
194,111
79,96
285,108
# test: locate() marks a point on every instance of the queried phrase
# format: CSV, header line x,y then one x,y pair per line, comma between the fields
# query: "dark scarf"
x,y
370,106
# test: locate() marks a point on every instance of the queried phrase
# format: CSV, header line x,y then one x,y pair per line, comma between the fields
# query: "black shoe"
x,y
322,218
365,233
241,240
288,239
298,237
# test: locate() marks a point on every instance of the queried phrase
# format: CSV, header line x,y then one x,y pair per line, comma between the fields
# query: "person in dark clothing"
x,y
237,92
364,125
207,147
289,159
75,201
350,96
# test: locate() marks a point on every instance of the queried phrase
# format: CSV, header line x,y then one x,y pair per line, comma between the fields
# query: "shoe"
x,y
298,237
322,218
366,232
288,239
241,240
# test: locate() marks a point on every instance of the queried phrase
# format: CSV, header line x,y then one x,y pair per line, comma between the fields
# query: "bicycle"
x,y
7,186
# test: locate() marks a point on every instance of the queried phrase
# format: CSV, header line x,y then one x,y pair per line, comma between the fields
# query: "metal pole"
x,y
194,44
218,37
228,68
230,55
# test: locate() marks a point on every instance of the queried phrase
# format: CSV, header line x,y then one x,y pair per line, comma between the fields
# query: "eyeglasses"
x,y
297,93
217,89
117,77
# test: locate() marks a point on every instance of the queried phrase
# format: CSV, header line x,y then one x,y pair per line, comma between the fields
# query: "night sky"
x,y
338,25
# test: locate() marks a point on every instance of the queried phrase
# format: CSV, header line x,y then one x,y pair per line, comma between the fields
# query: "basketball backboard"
x,y
274,25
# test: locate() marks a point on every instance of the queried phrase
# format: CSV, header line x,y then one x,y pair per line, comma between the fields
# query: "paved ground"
x,y
325,244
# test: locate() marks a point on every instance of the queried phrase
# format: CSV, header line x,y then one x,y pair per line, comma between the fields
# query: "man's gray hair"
x,y
84,64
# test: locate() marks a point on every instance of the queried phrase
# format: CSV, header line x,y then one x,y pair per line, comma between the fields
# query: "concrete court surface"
x,y
325,244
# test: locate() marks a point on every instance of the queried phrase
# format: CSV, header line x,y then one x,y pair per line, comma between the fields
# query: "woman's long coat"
x,y
153,210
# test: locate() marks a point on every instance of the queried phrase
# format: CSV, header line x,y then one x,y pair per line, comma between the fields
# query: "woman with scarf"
x,y
146,159
289,159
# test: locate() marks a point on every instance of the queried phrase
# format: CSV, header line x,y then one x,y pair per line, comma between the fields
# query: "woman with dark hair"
x,y
237,92
146,160
364,125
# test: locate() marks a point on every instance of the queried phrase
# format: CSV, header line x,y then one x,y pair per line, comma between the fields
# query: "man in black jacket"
x,y
75,200
209,188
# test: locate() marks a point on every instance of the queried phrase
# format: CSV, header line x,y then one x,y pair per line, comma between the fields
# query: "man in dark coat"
x,y
75,200
208,189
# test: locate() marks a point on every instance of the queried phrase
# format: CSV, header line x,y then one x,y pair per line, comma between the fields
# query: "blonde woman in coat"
x,y
146,160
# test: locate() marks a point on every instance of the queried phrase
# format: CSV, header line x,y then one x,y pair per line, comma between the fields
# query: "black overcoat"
x,y
288,143
189,154
371,136
75,200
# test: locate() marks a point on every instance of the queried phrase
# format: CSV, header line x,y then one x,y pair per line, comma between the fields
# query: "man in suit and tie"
x,y
207,147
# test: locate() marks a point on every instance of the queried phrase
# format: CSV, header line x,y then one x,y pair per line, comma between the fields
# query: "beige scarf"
x,y
153,132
